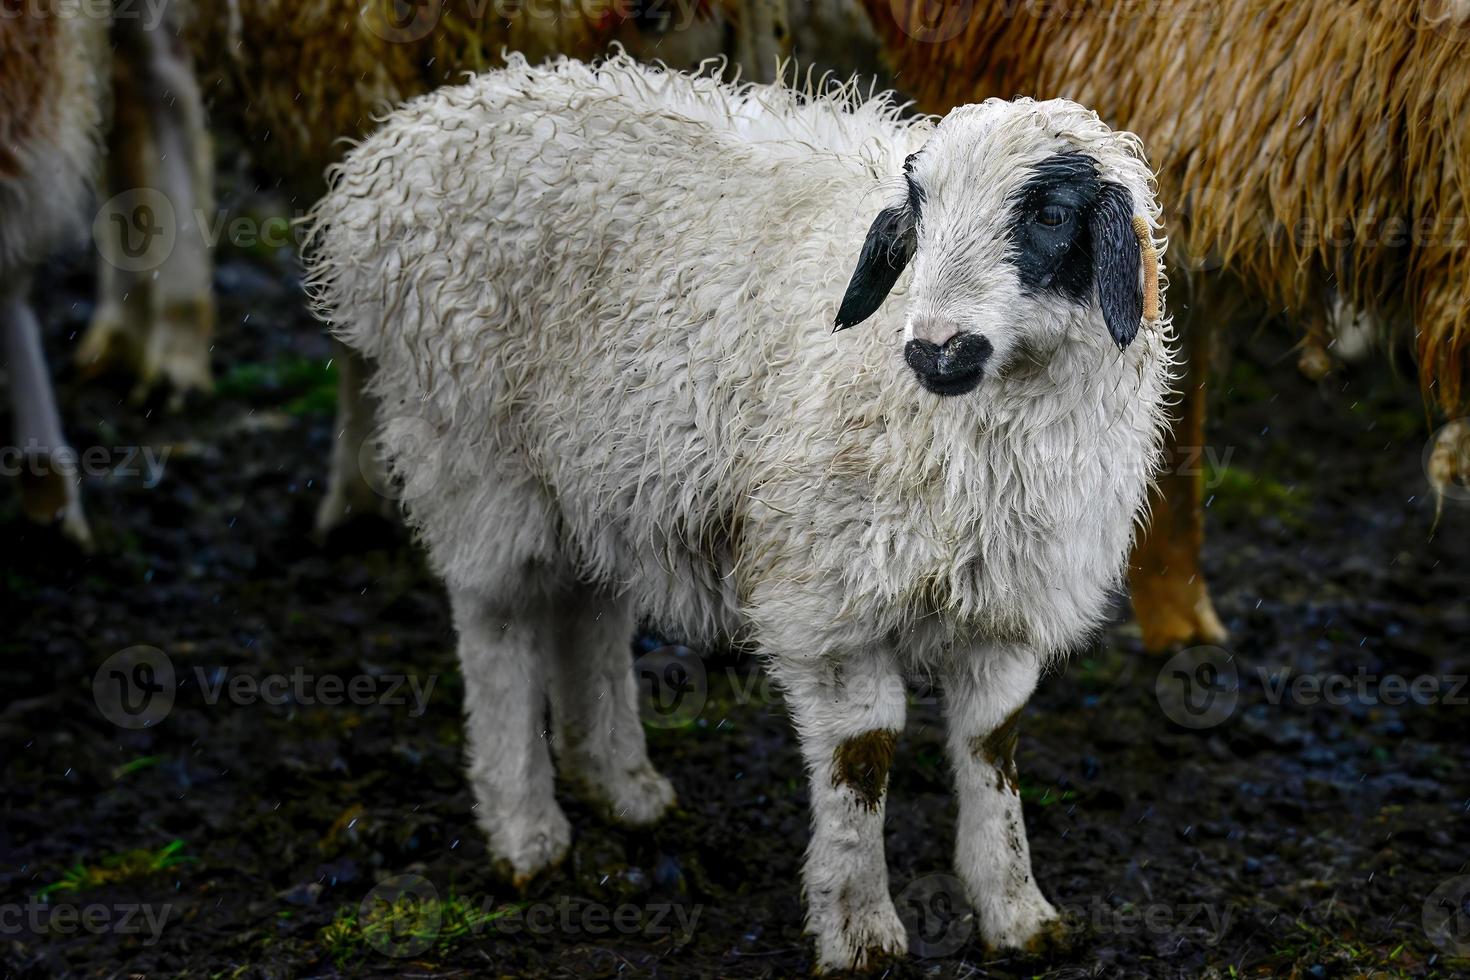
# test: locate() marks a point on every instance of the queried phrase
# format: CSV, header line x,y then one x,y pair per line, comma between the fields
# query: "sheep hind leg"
x,y
502,657
599,739
1170,598
984,694
848,719
357,483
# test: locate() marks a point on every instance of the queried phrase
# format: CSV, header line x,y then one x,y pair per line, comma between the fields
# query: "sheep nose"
x,y
934,329
952,369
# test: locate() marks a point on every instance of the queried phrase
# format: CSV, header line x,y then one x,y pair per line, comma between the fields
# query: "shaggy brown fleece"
x,y
28,72
307,73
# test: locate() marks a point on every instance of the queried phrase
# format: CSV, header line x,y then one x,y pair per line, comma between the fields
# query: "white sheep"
x,y
598,302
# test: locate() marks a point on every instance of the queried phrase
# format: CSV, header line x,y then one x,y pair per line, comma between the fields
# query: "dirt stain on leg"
x,y
862,763
998,748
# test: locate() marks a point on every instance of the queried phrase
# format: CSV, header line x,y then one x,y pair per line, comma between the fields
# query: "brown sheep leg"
x,y
1170,597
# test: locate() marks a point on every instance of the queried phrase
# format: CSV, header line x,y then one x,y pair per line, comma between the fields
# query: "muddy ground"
x,y
240,838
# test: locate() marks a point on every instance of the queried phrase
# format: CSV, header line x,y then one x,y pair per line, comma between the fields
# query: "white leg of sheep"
x,y
599,741
985,693
48,492
848,713
502,657
155,311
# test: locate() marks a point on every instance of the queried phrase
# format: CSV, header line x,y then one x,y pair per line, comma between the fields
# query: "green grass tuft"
x,y
114,868
407,923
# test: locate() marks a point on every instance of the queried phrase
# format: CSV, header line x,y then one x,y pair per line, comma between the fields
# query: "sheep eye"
x,y
1053,215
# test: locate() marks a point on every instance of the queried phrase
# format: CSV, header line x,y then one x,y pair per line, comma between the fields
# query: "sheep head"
x,y
1018,219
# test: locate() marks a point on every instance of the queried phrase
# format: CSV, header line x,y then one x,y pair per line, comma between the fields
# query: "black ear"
x,y
1117,263
890,245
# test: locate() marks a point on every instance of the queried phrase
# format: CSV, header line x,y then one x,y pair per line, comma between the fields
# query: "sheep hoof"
x,y
170,354
176,356
1314,363
1058,938
51,499
1175,615
108,347
1031,924
637,799
527,848
860,941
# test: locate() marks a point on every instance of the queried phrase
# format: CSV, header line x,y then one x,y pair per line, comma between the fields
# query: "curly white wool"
x,y
502,251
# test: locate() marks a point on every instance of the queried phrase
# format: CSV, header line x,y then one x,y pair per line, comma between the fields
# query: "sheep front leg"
x,y
502,650
848,714
985,692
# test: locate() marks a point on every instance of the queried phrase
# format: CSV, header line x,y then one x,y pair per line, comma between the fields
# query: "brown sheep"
x,y
1313,150
301,76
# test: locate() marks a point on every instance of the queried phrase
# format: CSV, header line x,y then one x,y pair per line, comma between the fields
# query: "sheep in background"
x,y
616,397
1314,152
297,78
53,65
155,292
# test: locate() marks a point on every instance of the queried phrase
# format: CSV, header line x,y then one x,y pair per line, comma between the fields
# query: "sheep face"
x,y
1017,218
